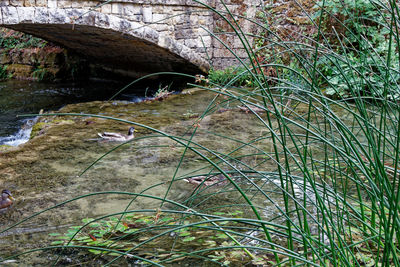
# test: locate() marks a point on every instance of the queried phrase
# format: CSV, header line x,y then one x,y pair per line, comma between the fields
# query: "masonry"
x,y
136,37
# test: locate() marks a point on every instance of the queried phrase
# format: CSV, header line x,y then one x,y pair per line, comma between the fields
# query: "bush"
x,y
363,54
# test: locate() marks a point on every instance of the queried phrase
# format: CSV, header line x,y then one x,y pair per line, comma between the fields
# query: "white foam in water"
x,y
21,137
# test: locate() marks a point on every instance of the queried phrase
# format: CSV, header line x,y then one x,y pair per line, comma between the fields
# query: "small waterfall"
x,y
22,136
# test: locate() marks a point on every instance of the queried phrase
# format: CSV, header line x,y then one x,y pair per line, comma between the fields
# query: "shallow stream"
x,y
53,166
27,97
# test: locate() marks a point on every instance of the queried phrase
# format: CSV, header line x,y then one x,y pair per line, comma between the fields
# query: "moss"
x,y
60,121
5,148
37,128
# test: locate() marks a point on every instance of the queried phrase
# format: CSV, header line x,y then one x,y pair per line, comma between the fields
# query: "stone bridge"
x,y
134,37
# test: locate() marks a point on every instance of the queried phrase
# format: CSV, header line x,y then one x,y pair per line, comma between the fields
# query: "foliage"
x,y
125,233
232,75
162,93
364,49
39,73
3,72
10,39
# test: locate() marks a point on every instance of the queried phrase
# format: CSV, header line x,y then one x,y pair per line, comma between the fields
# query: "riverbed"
x,y
190,134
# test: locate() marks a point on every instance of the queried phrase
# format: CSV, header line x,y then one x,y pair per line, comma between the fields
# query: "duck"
x,y
117,136
207,180
6,200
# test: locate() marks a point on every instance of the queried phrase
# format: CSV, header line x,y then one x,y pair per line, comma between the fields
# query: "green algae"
x,y
4,148
40,126
37,127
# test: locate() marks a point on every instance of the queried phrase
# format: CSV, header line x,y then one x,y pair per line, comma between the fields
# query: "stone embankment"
x,y
25,57
49,63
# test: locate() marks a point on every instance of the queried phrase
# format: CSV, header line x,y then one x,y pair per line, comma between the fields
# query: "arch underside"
x,y
124,47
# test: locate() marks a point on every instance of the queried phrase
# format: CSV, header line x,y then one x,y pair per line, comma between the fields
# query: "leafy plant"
x,y
124,233
39,73
3,72
234,76
364,56
10,39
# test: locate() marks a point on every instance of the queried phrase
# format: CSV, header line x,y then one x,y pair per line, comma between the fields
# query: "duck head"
x,y
131,130
6,194
6,200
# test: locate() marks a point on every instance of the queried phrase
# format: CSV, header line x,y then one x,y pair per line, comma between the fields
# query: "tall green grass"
x,y
324,192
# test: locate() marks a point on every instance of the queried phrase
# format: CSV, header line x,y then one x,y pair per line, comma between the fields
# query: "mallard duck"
x,y
6,200
118,136
207,180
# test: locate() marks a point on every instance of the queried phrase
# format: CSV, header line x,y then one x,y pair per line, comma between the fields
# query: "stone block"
x,y
161,27
102,20
29,3
85,4
41,15
20,70
4,3
26,14
16,3
205,20
106,9
114,22
184,34
73,16
147,13
52,3
41,3
226,53
116,8
135,18
220,53
238,44
202,31
202,51
10,15
176,47
181,19
64,4
86,18
186,53
151,35
137,31
59,16
124,26
160,18
192,43
164,41
207,41
131,10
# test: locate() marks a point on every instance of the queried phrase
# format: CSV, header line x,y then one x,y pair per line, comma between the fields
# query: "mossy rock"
x,y
5,148
37,128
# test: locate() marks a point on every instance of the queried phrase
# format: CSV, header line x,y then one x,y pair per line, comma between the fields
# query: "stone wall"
x,y
46,63
245,12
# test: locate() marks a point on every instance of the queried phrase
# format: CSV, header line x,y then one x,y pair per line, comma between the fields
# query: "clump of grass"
x,y
235,76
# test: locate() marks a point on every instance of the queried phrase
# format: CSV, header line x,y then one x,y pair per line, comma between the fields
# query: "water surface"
x,y
27,97
49,168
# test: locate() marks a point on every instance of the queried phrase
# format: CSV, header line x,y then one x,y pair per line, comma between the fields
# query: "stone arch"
x,y
127,46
